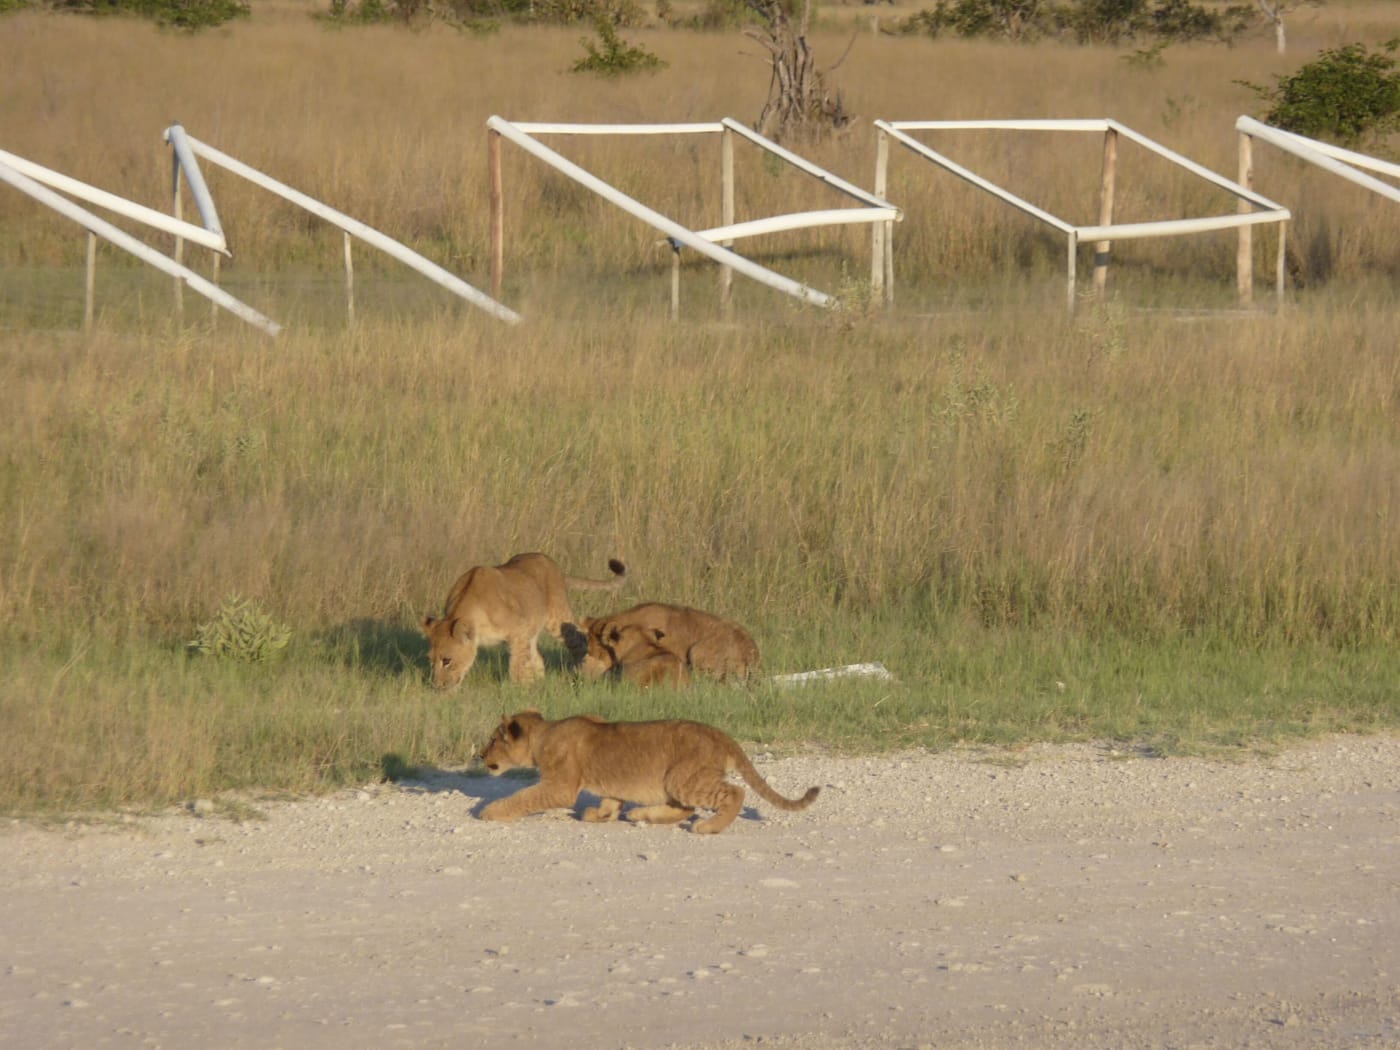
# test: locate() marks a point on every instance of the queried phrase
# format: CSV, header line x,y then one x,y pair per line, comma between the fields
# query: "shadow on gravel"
x,y
475,783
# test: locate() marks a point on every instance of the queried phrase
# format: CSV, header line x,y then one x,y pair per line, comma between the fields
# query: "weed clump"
x,y
241,631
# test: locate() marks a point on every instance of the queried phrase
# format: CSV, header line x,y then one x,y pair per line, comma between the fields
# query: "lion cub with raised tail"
x,y
669,768
510,603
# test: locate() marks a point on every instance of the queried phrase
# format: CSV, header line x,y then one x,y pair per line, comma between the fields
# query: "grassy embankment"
x,y
1124,524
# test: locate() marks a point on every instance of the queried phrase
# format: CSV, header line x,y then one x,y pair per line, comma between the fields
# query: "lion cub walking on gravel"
x,y
509,603
670,768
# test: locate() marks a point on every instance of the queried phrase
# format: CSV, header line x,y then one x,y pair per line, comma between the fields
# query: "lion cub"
x,y
510,603
670,768
705,643
641,656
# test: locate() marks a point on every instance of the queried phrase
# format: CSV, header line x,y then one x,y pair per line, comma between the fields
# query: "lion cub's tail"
x,y
583,583
755,780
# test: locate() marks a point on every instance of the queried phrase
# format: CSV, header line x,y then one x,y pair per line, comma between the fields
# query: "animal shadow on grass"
x,y
391,648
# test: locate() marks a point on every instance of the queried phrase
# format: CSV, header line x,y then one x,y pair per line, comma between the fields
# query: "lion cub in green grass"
x,y
670,768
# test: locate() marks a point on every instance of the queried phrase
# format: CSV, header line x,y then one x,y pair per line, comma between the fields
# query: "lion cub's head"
x,y
607,645
509,746
451,649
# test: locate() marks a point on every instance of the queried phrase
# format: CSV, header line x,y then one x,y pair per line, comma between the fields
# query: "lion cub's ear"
x,y
427,624
657,634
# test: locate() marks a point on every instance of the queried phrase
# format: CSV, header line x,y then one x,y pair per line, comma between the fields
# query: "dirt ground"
x,y
1051,897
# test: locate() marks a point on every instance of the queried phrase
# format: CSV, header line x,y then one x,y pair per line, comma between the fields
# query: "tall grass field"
x,y
1158,520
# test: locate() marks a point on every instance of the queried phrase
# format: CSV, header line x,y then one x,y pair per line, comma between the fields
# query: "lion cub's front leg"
x,y
534,799
660,814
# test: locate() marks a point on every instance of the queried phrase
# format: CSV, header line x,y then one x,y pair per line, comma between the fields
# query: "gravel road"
x,y
1047,897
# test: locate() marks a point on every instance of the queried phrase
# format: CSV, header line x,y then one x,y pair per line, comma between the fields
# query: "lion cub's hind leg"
x,y
663,814
706,787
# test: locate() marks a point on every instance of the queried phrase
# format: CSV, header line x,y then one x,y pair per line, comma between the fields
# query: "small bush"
x,y
1346,94
179,14
1088,21
241,631
614,57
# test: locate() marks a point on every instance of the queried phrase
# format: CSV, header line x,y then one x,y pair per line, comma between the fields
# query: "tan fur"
x,y
707,644
510,603
642,657
669,768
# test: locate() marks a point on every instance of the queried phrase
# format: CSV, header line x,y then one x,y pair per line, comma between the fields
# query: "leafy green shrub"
x,y
241,631
1346,94
615,57
179,14
1088,21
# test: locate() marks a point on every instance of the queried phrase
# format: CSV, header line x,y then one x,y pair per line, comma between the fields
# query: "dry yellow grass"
x,y
987,493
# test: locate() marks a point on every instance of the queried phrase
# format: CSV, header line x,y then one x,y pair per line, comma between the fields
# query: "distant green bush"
x,y
180,14
1346,93
612,56
1088,21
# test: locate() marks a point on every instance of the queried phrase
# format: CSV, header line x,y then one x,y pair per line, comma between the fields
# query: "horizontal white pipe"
x,y
799,220
655,219
124,240
1175,227
977,180
1356,160
1308,150
354,227
101,198
1228,185
618,129
194,178
997,125
827,674
803,164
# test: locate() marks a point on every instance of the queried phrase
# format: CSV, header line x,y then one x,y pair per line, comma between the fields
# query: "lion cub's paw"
x,y
606,810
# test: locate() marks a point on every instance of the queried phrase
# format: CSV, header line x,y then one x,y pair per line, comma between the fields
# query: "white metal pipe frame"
x,y
159,220
101,228
1340,162
706,242
1270,211
355,228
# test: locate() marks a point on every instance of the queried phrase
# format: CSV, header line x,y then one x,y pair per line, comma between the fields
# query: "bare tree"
x,y
799,102
1274,10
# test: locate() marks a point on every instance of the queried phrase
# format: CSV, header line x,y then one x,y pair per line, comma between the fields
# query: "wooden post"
x,y
1244,249
90,283
1071,265
179,256
880,231
726,214
349,282
498,225
1106,186
213,306
676,281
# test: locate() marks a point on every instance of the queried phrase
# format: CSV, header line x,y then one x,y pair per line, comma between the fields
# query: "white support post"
x,y
179,256
213,306
90,282
1280,265
675,282
880,231
349,281
1073,250
1106,189
726,275
498,224
1244,249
